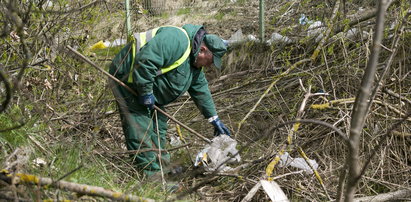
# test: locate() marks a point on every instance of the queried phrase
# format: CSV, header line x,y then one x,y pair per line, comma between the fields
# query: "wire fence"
x,y
154,12
158,7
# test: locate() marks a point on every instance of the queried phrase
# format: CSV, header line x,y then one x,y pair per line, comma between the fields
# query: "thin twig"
x,y
276,79
380,142
67,174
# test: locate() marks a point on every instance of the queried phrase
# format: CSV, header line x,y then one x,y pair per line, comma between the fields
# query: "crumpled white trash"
x,y
175,141
316,29
237,37
286,160
278,38
221,150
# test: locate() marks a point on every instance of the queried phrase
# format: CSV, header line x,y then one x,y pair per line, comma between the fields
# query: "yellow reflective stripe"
x,y
180,60
154,31
142,39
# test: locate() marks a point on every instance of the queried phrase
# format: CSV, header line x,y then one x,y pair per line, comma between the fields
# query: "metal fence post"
x,y
261,20
128,21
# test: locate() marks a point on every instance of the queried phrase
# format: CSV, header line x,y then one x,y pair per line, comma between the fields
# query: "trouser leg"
x,y
141,132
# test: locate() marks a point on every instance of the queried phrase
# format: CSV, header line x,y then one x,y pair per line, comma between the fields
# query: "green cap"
x,y
216,45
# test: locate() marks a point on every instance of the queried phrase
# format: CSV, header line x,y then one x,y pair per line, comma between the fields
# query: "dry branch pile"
x,y
261,91
335,77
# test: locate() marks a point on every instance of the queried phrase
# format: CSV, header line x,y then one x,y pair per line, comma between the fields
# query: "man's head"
x,y
211,51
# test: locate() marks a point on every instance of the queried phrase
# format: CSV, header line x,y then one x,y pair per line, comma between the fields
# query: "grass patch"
x,y
183,11
15,119
219,16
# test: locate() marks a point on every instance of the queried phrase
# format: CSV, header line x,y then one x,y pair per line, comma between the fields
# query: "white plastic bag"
x,y
287,160
237,37
316,29
274,191
278,38
221,150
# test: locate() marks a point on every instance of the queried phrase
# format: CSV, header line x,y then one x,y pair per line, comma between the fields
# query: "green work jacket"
x,y
167,46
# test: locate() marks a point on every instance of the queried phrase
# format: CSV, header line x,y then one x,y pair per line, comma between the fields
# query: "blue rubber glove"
x,y
148,101
219,127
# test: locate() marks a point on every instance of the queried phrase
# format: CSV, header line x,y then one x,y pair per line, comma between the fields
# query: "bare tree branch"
x,y
360,109
7,91
74,187
392,196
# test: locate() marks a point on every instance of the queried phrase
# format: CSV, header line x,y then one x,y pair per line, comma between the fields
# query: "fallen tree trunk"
x,y
21,178
396,195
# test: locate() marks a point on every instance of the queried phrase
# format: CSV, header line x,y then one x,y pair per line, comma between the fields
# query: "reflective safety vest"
x,y
140,39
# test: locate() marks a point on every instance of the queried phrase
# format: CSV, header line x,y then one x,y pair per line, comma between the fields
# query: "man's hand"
x,y
148,101
219,127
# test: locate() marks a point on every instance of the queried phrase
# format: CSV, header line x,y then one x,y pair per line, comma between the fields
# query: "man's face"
x,y
204,58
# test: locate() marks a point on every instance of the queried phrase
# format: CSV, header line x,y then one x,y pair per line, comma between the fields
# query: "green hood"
x,y
196,34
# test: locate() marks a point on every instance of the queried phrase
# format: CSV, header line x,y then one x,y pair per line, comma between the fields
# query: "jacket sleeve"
x,y
201,95
161,51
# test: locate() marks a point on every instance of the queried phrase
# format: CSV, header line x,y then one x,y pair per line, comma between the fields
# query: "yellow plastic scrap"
x,y
99,45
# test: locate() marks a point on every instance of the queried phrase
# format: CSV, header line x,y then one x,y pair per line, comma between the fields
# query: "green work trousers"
x,y
143,129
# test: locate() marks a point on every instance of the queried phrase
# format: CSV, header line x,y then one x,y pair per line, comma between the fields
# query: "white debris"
x,y
273,190
39,162
118,42
316,29
304,20
278,38
351,34
175,141
237,37
217,154
252,37
286,160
